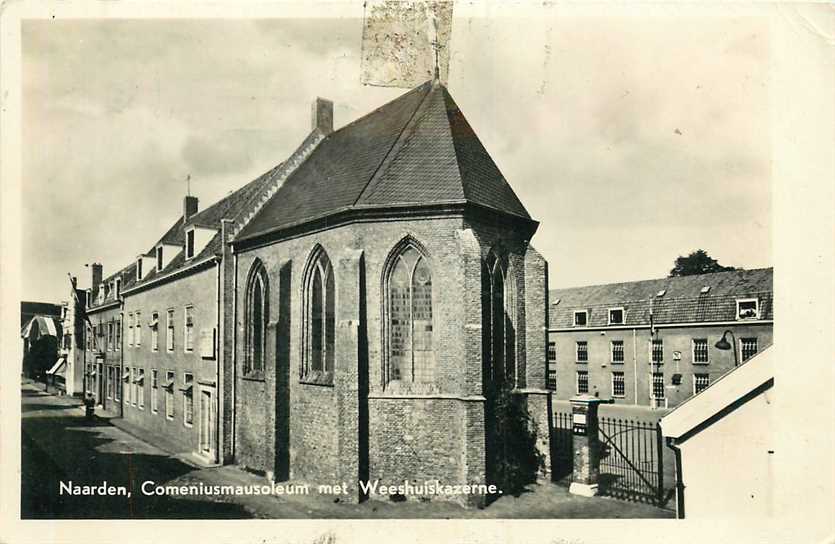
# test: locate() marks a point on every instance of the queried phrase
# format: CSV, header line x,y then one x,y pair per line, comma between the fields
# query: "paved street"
x,y
59,445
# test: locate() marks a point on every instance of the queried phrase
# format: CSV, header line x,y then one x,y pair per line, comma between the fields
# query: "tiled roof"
x,y
416,150
682,301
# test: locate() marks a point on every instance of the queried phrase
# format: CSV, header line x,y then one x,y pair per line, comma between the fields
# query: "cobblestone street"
x,y
59,445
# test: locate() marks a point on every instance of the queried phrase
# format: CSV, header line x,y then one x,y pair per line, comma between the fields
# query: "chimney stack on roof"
x,y
96,277
322,117
189,207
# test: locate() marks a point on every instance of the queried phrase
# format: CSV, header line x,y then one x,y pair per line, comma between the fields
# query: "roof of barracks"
x,y
417,150
687,299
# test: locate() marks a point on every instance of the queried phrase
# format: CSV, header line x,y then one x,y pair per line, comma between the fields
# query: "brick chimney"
x,y
322,117
96,278
189,207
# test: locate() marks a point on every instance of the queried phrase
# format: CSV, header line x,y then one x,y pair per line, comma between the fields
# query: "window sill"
x,y
318,378
582,362
254,377
618,396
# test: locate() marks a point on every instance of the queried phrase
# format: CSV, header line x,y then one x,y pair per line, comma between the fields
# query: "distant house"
x,y
657,342
730,421
40,330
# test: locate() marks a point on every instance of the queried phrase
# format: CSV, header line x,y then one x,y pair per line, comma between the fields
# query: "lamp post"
x,y
723,344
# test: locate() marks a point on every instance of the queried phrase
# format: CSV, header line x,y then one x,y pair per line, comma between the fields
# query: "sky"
x,y
631,140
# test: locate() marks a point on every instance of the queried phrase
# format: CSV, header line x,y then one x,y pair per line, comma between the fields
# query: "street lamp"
x,y
723,344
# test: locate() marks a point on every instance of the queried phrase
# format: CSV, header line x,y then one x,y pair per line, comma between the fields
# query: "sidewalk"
x,y
59,445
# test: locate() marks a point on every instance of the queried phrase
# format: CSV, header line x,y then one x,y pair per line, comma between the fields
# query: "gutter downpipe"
x,y
234,361
220,362
635,362
671,443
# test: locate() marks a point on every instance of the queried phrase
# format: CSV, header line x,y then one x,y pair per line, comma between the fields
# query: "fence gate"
x,y
631,464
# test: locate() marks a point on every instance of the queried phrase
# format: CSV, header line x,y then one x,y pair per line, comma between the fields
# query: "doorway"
x,y
207,424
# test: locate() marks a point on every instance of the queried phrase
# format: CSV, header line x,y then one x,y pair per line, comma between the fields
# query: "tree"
x,y
698,262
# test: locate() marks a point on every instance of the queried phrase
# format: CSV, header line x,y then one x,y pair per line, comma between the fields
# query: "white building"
x,y
725,445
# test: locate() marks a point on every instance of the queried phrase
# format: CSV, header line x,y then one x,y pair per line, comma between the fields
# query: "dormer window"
x,y
747,308
705,290
661,293
118,288
159,259
190,244
139,269
616,316
580,318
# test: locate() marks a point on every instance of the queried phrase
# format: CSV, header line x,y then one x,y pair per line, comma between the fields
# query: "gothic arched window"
x,y
499,333
408,285
256,315
320,319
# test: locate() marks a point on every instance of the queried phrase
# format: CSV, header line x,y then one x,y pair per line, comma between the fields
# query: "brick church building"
x,y
380,289
342,317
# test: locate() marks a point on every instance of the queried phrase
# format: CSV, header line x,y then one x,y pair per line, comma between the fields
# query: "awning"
x,y
169,384
126,376
140,380
59,367
153,323
39,326
187,389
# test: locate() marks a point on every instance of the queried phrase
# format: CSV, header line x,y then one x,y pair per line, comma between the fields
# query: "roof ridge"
x,y
465,180
276,178
396,145
676,278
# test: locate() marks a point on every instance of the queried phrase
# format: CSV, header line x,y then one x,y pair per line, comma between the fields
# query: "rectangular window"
x,y
130,328
118,337
110,336
582,382
582,352
137,331
188,399
188,330
657,351
159,258
747,308
700,350
700,383
128,388
552,351
169,394
657,385
155,331
140,389
111,373
169,330
552,376
580,318
117,394
190,244
748,347
154,390
616,316
617,351
618,385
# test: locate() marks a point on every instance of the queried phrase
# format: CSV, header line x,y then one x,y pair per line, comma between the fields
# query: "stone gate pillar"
x,y
584,429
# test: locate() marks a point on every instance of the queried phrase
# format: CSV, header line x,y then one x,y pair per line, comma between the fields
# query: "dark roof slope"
x,y
416,150
682,301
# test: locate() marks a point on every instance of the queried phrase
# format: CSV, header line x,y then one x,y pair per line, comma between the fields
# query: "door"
x,y
100,383
207,424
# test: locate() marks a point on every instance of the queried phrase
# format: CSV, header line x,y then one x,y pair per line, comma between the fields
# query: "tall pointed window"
x,y
499,332
256,321
320,319
411,356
